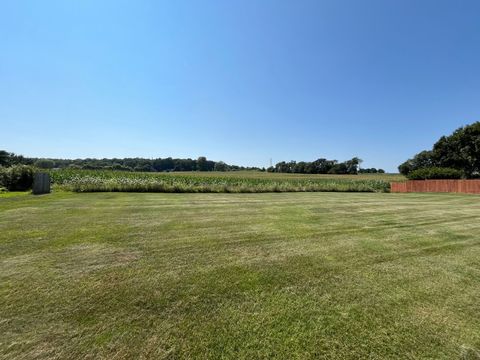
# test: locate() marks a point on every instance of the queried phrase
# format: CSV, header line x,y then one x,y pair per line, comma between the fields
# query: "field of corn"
x,y
118,181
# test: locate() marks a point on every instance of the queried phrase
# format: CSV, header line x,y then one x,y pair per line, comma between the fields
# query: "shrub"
x,y
17,177
435,173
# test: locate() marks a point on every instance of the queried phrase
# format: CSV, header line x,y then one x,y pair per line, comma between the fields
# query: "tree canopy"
x,y
460,150
127,164
319,166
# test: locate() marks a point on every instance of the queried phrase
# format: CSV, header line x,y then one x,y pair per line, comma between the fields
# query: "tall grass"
x,y
116,181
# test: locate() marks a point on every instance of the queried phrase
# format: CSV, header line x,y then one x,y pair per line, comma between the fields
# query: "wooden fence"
x,y
448,186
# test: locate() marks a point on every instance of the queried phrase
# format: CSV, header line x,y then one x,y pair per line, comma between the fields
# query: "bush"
x,y
435,173
17,177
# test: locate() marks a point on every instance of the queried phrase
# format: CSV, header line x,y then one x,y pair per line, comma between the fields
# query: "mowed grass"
x,y
240,276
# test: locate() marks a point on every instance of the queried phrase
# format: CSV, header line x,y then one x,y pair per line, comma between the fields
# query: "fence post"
x,y
41,184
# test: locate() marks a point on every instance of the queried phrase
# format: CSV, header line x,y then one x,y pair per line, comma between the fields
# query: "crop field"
x,y
239,276
236,182
286,176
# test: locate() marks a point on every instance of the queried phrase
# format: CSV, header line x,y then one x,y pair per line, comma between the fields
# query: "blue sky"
x,y
240,81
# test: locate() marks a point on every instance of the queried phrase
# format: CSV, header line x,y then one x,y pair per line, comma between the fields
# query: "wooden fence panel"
x,y
450,186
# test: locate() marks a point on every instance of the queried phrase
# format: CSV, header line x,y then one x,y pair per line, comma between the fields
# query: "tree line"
x,y
126,164
322,166
319,166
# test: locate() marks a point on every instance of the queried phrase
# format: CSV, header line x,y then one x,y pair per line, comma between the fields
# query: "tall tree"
x,y
460,150
202,163
4,158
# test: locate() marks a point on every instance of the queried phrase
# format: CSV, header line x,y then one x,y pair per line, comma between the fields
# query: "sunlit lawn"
x,y
286,275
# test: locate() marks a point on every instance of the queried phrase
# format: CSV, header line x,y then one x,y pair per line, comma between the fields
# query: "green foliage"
x,y
371,171
45,164
203,164
220,166
17,177
4,158
127,164
319,166
115,166
423,159
435,173
100,180
8,159
144,168
461,151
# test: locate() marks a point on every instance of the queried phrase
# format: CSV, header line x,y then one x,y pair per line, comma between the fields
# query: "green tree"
x,y
4,158
353,165
423,159
220,166
460,150
202,163
45,164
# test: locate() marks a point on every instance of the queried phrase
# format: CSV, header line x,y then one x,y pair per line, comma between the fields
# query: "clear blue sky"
x,y
241,81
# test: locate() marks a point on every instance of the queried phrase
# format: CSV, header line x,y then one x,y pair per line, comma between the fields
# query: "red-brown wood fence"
x,y
453,186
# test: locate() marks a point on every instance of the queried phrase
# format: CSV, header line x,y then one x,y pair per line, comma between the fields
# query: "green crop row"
x,y
116,181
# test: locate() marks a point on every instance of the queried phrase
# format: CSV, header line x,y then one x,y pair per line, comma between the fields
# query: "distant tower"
x,y
271,162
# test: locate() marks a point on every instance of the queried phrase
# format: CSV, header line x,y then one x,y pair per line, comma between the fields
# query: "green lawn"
x,y
240,276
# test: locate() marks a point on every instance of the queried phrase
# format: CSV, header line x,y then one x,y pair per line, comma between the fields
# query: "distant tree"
x,y
319,166
4,158
45,164
367,171
90,166
371,171
144,168
220,166
210,165
281,167
323,166
340,168
353,165
9,159
166,164
202,163
300,167
120,167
